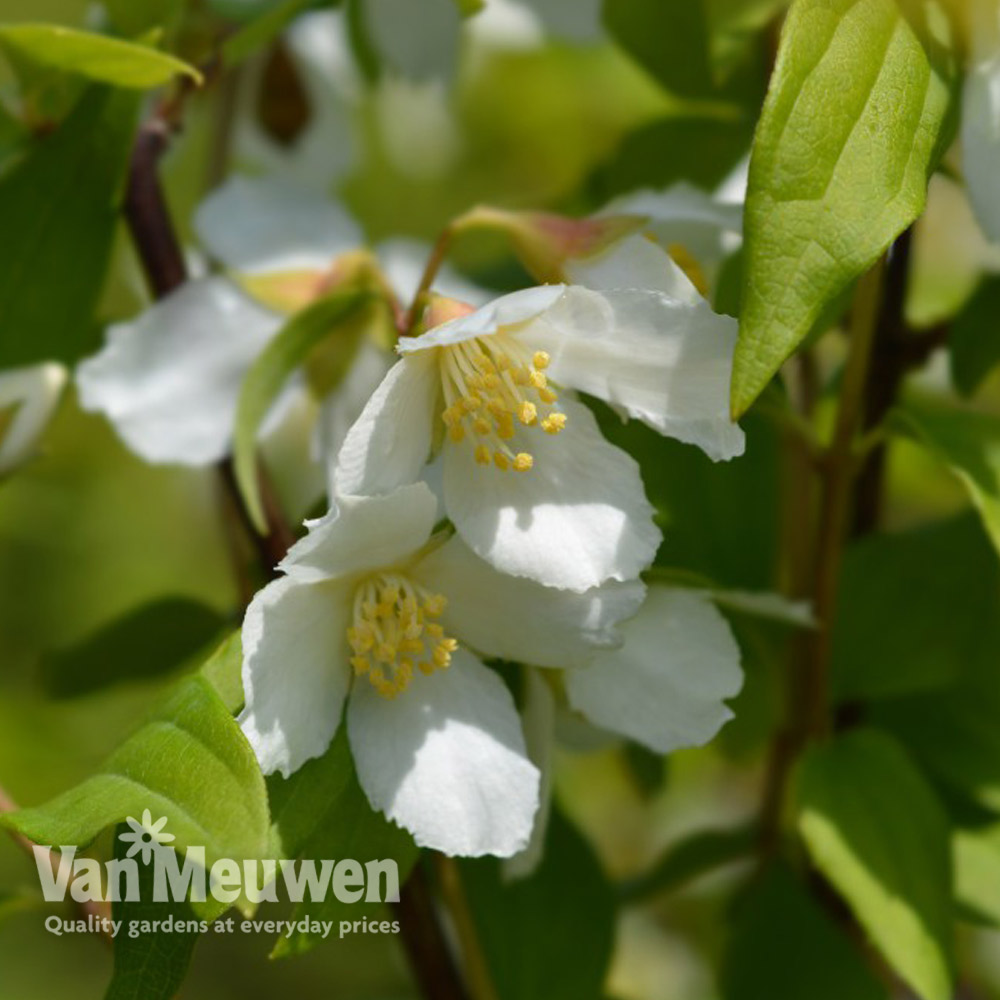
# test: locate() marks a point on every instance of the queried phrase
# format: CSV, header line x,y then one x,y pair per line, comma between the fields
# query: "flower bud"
x,y
28,397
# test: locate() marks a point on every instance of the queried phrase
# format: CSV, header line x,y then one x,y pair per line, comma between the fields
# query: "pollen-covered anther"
x,y
391,634
492,385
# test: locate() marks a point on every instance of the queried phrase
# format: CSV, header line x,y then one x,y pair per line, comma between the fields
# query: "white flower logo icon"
x,y
146,835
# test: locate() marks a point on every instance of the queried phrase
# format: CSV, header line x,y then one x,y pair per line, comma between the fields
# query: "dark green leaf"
x,y
912,609
700,150
692,857
875,830
322,812
975,337
954,732
150,966
145,643
669,40
97,57
719,519
548,937
854,121
783,946
59,207
304,332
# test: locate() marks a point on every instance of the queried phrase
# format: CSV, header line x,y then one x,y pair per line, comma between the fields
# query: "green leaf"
x,y
469,7
853,124
976,856
784,946
695,148
149,966
968,444
669,40
147,642
974,342
97,57
719,518
548,937
189,762
300,336
954,732
941,580
59,207
322,812
223,670
692,857
875,830
268,23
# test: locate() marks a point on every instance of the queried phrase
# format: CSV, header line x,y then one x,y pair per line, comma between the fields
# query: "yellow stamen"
x,y
492,387
390,633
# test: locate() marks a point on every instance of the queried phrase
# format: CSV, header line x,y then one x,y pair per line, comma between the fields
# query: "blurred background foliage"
x,y
563,114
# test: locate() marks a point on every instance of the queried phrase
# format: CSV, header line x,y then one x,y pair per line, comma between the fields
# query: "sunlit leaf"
x,y
783,946
97,57
855,118
875,830
268,374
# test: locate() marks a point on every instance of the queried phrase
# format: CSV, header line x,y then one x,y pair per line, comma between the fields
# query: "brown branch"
x,y
159,251
897,351
424,942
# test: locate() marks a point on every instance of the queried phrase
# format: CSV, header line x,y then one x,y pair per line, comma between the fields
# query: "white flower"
x,y
981,116
28,398
146,836
697,230
170,379
529,481
665,688
374,612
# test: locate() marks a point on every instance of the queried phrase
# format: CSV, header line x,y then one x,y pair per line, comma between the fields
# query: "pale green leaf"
x,y
968,444
97,57
296,340
875,830
976,855
189,762
853,124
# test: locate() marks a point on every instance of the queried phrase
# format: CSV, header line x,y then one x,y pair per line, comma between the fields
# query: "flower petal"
x,y
634,262
579,517
363,533
666,362
981,142
501,616
264,224
706,227
295,671
446,760
169,379
508,310
665,687
391,440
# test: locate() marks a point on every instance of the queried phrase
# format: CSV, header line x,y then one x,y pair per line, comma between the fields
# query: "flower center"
x,y
392,633
489,384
